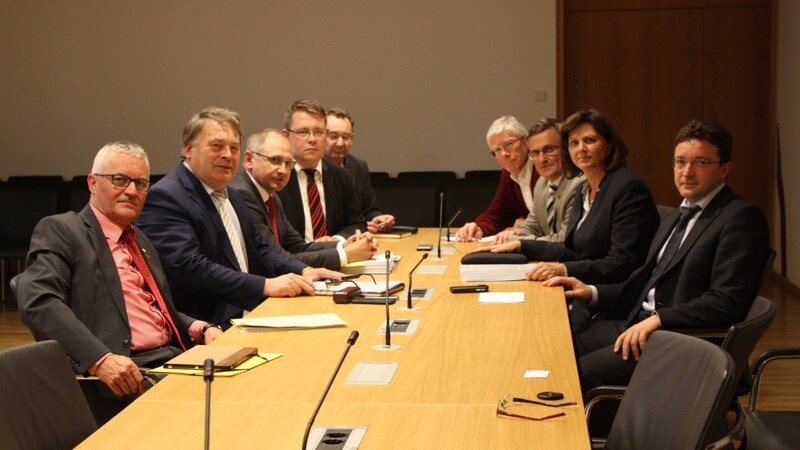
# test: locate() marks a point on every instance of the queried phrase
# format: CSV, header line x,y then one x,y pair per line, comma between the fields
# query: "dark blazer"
x,y
614,238
507,205
358,170
712,280
291,244
181,219
342,214
70,290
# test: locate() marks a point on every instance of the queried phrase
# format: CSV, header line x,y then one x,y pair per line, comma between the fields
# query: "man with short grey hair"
x,y
95,284
514,198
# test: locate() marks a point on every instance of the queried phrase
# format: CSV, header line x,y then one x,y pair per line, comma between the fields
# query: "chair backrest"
x,y
412,202
766,269
742,337
43,406
13,285
664,210
680,385
473,196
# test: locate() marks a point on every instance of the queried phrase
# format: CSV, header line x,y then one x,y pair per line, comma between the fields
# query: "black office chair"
x,y
680,386
22,205
412,202
472,195
483,175
771,429
378,177
664,210
43,407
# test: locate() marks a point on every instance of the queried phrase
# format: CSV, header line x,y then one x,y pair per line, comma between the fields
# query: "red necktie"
x,y
315,206
129,238
273,220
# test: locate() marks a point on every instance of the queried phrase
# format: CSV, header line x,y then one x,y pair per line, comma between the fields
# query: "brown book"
x,y
225,358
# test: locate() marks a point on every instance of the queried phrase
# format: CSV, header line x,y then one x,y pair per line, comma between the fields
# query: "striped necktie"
x,y
315,206
551,206
233,236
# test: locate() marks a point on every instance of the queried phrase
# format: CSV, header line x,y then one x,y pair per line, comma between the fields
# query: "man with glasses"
x,y
318,200
95,284
702,270
217,264
553,192
268,163
513,200
340,138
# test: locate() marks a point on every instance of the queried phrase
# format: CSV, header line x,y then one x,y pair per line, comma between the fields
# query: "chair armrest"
x,y
736,431
761,362
600,393
703,333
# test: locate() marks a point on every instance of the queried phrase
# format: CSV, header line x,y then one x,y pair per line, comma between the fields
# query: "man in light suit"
x,y
83,286
340,137
706,277
216,262
267,163
325,208
544,143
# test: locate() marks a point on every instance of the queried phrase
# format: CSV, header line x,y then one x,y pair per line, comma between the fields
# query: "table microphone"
x,y
424,255
388,333
449,224
350,341
441,218
208,377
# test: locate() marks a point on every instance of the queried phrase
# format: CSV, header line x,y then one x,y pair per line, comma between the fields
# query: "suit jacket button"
x,y
126,343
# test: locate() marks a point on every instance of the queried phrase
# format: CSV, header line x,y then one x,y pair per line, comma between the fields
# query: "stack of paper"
x,y
367,287
494,272
374,265
289,322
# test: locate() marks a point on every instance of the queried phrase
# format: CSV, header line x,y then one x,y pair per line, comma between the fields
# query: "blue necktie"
x,y
669,252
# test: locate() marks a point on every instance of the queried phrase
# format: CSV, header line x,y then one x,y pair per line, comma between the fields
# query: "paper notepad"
x,y
289,322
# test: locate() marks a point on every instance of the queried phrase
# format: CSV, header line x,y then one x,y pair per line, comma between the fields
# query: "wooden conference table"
x,y
463,358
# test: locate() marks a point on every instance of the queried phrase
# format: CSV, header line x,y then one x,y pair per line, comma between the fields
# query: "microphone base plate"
x,y
386,348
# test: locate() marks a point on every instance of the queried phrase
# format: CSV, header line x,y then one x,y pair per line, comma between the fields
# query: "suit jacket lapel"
x,y
197,193
707,216
577,210
107,267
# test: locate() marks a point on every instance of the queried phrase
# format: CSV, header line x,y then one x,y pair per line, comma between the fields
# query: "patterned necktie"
x,y
233,236
551,206
315,206
273,219
669,251
129,239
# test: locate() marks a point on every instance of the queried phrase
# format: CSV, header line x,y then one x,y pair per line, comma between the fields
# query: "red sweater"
x,y
507,205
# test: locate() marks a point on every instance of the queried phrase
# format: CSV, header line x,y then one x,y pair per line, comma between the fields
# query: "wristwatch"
x,y
206,327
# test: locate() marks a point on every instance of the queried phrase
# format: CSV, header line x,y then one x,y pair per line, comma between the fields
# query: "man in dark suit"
x,y
85,286
267,164
340,137
318,200
216,262
702,270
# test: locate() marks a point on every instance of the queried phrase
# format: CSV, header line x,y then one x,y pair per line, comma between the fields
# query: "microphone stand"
x,y
388,345
208,376
350,341
458,213
441,218
410,307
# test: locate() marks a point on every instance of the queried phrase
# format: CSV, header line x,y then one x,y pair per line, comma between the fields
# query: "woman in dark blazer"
x,y
613,217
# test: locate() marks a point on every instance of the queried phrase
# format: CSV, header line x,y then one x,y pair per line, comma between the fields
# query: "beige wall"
x,y
424,80
788,117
